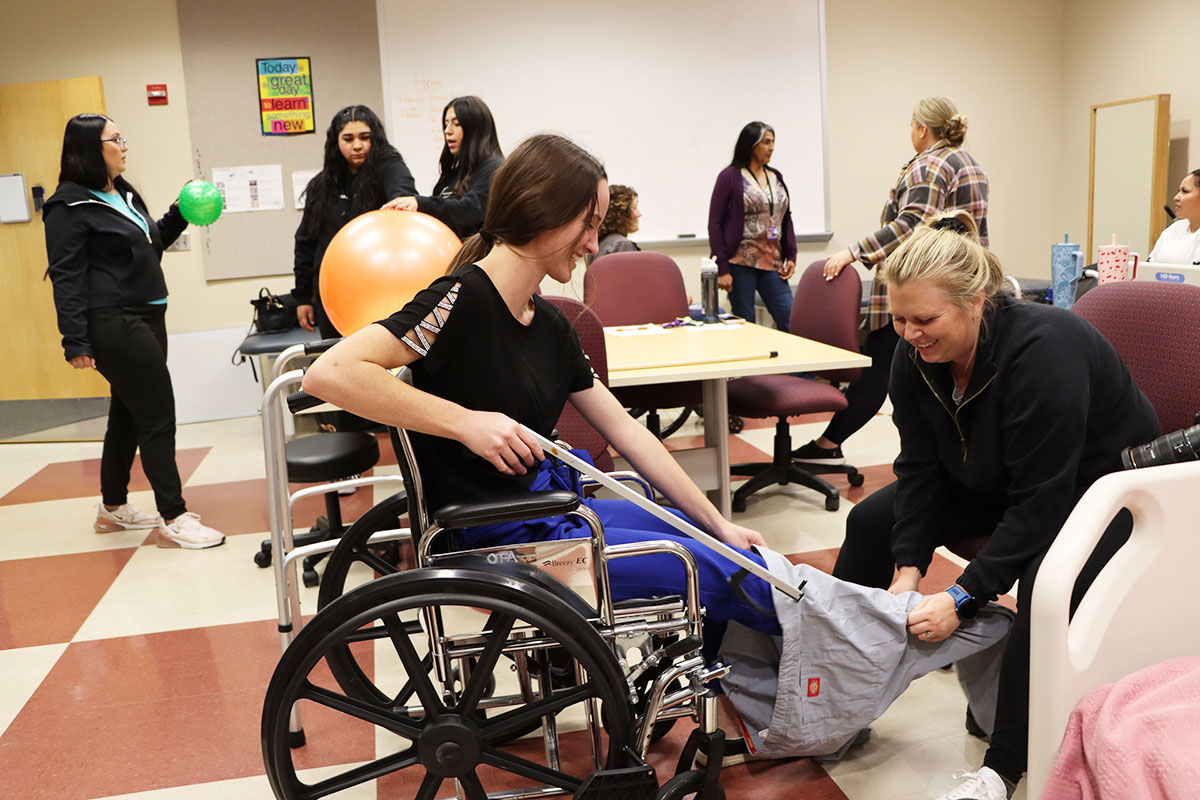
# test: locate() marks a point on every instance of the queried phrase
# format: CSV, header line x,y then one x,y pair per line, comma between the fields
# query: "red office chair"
x,y
825,311
572,427
1155,329
635,289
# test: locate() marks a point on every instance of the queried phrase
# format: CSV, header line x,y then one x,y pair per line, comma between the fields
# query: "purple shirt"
x,y
727,219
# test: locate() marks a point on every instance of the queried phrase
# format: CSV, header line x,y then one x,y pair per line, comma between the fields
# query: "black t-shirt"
x,y
484,359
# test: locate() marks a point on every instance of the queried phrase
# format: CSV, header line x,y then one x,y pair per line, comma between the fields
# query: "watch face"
x,y
967,609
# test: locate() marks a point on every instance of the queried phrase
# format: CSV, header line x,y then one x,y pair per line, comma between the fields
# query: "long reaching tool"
x,y
732,553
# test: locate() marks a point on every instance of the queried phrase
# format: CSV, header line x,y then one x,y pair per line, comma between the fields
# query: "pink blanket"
x,y
1136,739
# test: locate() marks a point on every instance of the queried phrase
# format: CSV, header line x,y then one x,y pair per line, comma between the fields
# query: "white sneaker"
x,y
122,518
186,531
983,785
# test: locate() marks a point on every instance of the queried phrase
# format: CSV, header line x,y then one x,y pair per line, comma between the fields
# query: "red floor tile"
x,y
241,506
125,715
82,478
45,600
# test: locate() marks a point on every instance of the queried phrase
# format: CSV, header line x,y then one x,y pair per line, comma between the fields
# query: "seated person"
x,y
489,357
620,221
1180,242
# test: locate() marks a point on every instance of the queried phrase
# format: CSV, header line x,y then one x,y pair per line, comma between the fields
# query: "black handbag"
x,y
274,313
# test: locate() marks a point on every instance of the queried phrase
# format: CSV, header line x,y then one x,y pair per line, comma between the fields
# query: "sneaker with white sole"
x,y
983,785
123,518
186,531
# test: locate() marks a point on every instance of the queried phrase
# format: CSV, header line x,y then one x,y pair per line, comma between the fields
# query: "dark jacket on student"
x,y
100,258
1047,411
463,215
397,181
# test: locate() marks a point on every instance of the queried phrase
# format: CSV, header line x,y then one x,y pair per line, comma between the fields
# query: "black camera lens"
x,y
1170,448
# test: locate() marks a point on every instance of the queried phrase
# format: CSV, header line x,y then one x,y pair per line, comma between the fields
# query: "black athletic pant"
x,y
130,348
866,558
865,396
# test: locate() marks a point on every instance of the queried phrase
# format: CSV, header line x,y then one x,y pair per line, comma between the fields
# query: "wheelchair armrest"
x,y
312,348
301,400
531,505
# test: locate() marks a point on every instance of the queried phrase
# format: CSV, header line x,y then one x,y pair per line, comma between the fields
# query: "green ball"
x,y
200,203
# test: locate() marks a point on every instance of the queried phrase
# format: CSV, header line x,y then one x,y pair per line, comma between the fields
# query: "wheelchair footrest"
x,y
637,782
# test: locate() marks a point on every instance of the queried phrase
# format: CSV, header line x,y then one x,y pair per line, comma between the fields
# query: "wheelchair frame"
x,y
667,681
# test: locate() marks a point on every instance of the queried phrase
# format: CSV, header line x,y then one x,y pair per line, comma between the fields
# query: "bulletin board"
x,y
221,41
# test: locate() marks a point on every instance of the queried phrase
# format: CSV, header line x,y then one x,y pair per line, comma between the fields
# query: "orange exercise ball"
x,y
378,262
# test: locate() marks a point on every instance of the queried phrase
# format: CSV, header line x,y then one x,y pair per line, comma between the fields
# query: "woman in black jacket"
x,y
105,259
361,172
1007,412
470,154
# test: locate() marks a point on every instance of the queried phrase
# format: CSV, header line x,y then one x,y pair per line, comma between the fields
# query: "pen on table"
x,y
687,362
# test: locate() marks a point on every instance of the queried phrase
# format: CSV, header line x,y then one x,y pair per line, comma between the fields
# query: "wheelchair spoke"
x,y
472,788
371,559
519,718
429,787
399,725
499,626
413,665
367,772
528,769
406,691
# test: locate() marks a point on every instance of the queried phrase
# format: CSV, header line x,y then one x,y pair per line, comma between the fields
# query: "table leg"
x,y
716,435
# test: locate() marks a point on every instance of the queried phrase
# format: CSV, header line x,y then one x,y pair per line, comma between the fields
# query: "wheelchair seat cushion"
x,y
330,456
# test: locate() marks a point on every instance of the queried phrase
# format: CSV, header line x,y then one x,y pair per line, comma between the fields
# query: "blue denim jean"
x,y
775,292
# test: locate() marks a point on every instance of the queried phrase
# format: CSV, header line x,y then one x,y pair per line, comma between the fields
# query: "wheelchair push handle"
x,y
301,401
313,348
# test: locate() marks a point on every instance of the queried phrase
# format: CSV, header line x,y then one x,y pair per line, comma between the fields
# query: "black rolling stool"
x,y
322,458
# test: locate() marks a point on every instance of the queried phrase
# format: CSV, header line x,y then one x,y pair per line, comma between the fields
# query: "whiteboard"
x,y
657,89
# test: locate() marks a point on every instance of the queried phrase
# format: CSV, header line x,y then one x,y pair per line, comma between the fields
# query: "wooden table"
x,y
713,354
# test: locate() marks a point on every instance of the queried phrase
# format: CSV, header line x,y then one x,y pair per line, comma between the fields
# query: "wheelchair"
x,y
502,672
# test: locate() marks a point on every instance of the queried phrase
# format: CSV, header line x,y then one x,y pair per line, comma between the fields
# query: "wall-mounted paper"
x,y
300,179
257,188
14,200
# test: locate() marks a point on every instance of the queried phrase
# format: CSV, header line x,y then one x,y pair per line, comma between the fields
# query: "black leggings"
x,y
130,348
865,396
866,558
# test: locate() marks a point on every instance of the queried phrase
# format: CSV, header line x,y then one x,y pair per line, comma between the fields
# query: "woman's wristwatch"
x,y
965,605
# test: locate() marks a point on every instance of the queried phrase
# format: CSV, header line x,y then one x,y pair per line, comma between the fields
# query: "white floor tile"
x,y
21,671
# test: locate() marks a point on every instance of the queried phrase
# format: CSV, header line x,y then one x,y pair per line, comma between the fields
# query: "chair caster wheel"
x,y
832,503
856,478
736,424
739,504
310,578
262,559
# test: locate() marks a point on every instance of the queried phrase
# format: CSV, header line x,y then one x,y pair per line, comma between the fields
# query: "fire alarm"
x,y
156,94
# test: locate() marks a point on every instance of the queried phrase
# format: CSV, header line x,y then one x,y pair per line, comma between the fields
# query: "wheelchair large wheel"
x,y
425,731
352,553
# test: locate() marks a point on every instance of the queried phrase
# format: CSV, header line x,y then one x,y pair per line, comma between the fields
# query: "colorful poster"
x,y
285,96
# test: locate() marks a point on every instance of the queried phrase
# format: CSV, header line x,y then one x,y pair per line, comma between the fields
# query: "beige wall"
x,y
1118,50
131,44
1024,72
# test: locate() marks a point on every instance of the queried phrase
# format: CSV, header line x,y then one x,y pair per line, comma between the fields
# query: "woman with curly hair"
x,y
361,172
620,221
470,155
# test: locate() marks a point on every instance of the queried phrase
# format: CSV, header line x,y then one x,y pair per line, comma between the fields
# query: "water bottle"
x,y
708,289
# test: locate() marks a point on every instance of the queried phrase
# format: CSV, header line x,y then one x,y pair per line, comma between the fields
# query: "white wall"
x,y
1023,72
1119,50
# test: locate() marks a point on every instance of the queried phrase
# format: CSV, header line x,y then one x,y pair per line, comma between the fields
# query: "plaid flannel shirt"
x,y
940,179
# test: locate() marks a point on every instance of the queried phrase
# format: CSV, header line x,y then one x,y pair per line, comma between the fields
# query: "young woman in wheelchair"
x,y
488,356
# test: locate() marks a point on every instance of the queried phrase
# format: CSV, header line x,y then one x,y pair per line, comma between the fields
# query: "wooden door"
x,y
32,119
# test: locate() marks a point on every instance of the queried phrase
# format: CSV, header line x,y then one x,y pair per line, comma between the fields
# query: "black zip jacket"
x,y
1047,411
463,215
100,258
309,250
